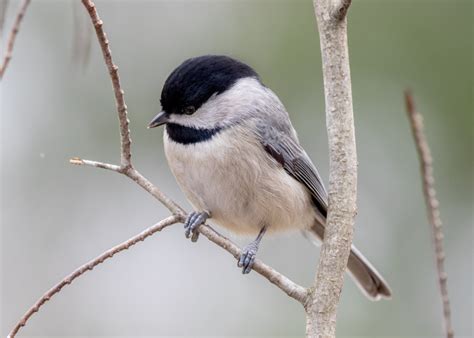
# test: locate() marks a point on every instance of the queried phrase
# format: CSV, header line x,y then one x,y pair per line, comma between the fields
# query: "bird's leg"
x,y
247,258
194,220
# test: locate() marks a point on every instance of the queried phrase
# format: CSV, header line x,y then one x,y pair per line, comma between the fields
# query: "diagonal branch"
x,y
432,205
284,283
88,267
292,289
143,182
12,37
126,168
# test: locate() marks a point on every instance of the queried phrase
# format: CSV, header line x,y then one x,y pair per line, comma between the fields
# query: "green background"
x,y
55,216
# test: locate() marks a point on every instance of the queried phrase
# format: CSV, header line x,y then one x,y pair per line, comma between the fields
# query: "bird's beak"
x,y
160,119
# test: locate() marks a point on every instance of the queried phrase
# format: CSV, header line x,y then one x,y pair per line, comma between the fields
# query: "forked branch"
x,y
126,168
114,76
285,284
292,289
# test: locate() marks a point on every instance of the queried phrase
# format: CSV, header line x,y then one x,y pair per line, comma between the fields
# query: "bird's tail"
x,y
362,272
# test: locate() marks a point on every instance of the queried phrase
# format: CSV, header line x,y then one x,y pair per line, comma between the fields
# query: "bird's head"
x,y
200,92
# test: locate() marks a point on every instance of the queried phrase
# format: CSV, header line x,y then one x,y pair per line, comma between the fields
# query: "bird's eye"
x,y
189,110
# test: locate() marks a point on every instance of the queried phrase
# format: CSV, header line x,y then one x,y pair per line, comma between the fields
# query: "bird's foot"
x,y
194,220
247,257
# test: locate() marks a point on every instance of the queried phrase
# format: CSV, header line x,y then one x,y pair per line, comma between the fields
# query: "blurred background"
x,y
57,102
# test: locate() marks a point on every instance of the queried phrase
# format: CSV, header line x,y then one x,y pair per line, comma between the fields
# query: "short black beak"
x,y
159,120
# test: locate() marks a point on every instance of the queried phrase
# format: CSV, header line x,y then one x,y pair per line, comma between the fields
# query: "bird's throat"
x,y
189,135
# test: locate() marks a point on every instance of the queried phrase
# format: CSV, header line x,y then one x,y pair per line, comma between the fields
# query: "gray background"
x,y
55,216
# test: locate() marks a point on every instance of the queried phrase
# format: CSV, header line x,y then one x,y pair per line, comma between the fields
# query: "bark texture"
x,y
322,308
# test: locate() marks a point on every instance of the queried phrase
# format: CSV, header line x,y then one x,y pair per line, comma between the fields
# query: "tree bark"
x,y
322,308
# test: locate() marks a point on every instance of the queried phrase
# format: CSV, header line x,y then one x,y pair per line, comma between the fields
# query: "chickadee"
x,y
235,154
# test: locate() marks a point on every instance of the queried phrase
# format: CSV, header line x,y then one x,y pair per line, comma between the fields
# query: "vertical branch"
x,y
322,308
432,205
118,91
12,37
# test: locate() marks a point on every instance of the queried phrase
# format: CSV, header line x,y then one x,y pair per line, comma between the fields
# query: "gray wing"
x,y
286,150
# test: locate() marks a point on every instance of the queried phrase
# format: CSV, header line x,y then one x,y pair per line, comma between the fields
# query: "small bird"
x,y
231,146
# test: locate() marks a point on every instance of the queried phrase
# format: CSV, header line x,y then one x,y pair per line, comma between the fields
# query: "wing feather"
x,y
289,153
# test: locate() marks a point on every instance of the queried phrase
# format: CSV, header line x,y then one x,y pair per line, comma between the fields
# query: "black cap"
x,y
193,82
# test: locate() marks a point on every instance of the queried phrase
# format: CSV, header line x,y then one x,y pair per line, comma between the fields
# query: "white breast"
x,y
243,188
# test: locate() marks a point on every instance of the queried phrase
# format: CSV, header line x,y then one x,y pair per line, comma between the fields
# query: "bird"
x,y
234,153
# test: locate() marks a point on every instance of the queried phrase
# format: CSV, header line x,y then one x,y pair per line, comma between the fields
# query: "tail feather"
x,y
367,277
362,272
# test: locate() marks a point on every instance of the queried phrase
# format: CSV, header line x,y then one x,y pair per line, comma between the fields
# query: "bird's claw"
x,y
194,220
247,258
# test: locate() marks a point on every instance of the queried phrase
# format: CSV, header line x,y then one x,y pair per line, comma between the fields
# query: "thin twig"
x,y
95,164
432,205
322,309
126,164
12,37
125,154
138,178
88,267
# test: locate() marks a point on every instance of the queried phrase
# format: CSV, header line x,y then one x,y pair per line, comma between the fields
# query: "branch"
x,y
12,37
138,178
95,164
432,205
285,284
118,91
322,310
340,10
292,289
179,215
88,267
